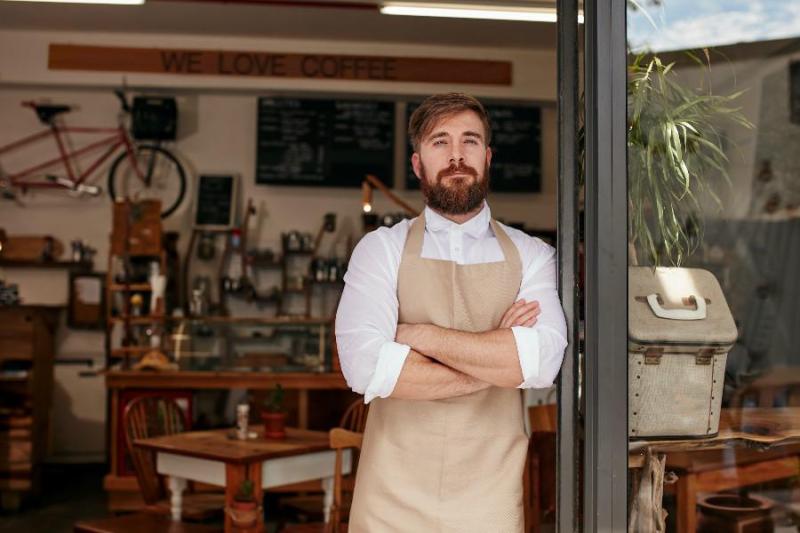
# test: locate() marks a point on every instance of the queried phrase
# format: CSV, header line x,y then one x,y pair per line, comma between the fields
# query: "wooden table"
x,y
122,488
754,445
214,458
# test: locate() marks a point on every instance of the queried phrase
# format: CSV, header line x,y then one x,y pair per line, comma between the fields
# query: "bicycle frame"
x,y
117,137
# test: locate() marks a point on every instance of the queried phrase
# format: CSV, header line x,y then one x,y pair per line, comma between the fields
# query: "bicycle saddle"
x,y
47,112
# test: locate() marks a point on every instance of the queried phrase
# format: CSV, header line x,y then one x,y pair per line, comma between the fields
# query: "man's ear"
x,y
488,156
416,164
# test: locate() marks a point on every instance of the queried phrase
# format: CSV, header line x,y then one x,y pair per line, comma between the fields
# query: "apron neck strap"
x,y
416,234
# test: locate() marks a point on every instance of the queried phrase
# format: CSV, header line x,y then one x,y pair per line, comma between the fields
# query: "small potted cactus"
x,y
273,415
244,509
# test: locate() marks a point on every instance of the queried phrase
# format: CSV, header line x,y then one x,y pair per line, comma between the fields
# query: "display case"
x,y
250,344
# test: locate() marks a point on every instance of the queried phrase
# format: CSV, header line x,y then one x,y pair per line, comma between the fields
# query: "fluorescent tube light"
x,y
116,2
473,11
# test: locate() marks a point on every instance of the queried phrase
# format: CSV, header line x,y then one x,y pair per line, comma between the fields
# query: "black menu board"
x,y
328,143
516,148
216,201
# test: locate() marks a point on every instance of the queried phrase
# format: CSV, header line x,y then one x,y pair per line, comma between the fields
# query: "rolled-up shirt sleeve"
x,y
541,346
366,320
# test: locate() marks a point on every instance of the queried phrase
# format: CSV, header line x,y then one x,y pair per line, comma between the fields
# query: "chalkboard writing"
x,y
215,202
516,148
331,143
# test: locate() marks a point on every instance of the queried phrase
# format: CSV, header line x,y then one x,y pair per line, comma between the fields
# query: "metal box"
x,y
680,330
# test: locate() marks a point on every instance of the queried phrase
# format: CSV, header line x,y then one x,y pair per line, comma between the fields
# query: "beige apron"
x,y
452,465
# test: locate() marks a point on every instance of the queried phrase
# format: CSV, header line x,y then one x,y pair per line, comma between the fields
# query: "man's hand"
x,y
521,313
409,334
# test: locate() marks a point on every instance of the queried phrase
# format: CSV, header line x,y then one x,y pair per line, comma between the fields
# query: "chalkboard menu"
x,y
216,201
328,143
516,148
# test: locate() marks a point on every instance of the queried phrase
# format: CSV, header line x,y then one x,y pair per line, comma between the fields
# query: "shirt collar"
x,y
475,227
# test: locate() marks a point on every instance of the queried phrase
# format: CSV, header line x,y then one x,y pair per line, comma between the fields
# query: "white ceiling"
x,y
229,18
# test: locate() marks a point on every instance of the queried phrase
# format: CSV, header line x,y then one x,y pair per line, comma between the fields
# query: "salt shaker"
x,y
242,416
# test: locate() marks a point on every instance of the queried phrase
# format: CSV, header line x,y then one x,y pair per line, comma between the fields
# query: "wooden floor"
x,y
72,493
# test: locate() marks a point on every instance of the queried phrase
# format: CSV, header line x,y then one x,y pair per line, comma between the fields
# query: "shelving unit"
x,y
27,349
136,235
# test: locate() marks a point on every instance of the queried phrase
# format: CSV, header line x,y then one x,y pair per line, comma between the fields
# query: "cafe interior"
x,y
201,299
183,183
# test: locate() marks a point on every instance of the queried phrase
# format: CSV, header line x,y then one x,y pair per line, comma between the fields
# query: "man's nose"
x,y
455,155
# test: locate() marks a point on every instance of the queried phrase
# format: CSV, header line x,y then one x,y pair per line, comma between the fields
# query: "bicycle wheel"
x,y
164,178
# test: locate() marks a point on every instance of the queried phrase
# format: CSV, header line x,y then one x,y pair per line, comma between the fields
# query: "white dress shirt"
x,y
366,321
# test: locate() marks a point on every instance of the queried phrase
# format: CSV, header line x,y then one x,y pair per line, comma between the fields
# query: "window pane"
x,y
714,290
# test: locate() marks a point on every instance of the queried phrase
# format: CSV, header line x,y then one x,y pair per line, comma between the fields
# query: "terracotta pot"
x,y
274,425
243,514
723,513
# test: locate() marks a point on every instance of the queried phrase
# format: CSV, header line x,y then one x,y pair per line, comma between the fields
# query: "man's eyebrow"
x,y
437,135
473,134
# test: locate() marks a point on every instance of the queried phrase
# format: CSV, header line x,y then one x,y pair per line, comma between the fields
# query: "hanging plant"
x,y
675,152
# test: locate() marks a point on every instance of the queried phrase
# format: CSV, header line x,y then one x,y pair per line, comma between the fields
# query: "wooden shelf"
x,y
268,321
298,252
131,287
276,264
10,263
295,291
146,319
121,352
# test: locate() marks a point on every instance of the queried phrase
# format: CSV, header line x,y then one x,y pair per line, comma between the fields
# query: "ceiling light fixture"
x,y
474,11
96,2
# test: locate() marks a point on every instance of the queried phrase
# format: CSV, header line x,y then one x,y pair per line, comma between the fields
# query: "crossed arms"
x,y
445,363
381,357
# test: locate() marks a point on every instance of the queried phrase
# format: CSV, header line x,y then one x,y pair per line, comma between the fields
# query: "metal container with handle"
x,y
680,330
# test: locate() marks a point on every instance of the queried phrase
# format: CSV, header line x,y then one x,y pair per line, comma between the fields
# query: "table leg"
x,y
686,495
327,486
302,408
176,487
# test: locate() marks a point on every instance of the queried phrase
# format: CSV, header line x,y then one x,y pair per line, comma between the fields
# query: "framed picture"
x,y
86,306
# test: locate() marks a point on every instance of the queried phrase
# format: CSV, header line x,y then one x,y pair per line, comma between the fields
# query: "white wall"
x,y
217,129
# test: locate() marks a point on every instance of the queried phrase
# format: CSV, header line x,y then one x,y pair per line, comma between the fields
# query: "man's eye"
x,y
439,141
471,141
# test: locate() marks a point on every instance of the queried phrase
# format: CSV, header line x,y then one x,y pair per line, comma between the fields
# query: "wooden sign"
x,y
278,64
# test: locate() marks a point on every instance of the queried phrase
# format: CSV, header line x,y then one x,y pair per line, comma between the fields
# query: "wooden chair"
x,y
539,477
340,440
310,507
154,416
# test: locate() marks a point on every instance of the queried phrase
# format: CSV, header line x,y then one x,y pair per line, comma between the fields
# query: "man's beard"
x,y
459,197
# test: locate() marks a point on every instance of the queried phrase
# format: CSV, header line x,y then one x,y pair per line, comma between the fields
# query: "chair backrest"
x,y
543,417
355,417
539,482
340,440
145,417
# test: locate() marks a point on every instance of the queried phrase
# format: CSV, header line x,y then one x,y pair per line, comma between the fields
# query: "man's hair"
x,y
441,106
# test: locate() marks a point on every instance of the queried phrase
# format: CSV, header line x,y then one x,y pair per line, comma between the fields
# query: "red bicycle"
x,y
140,171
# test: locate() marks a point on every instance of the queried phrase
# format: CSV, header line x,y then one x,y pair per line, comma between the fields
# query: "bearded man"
x,y
443,320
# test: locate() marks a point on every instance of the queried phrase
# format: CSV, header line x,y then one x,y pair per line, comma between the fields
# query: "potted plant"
x,y
273,415
244,508
675,154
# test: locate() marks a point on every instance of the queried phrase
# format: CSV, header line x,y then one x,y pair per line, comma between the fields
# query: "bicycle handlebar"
x,y
122,100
